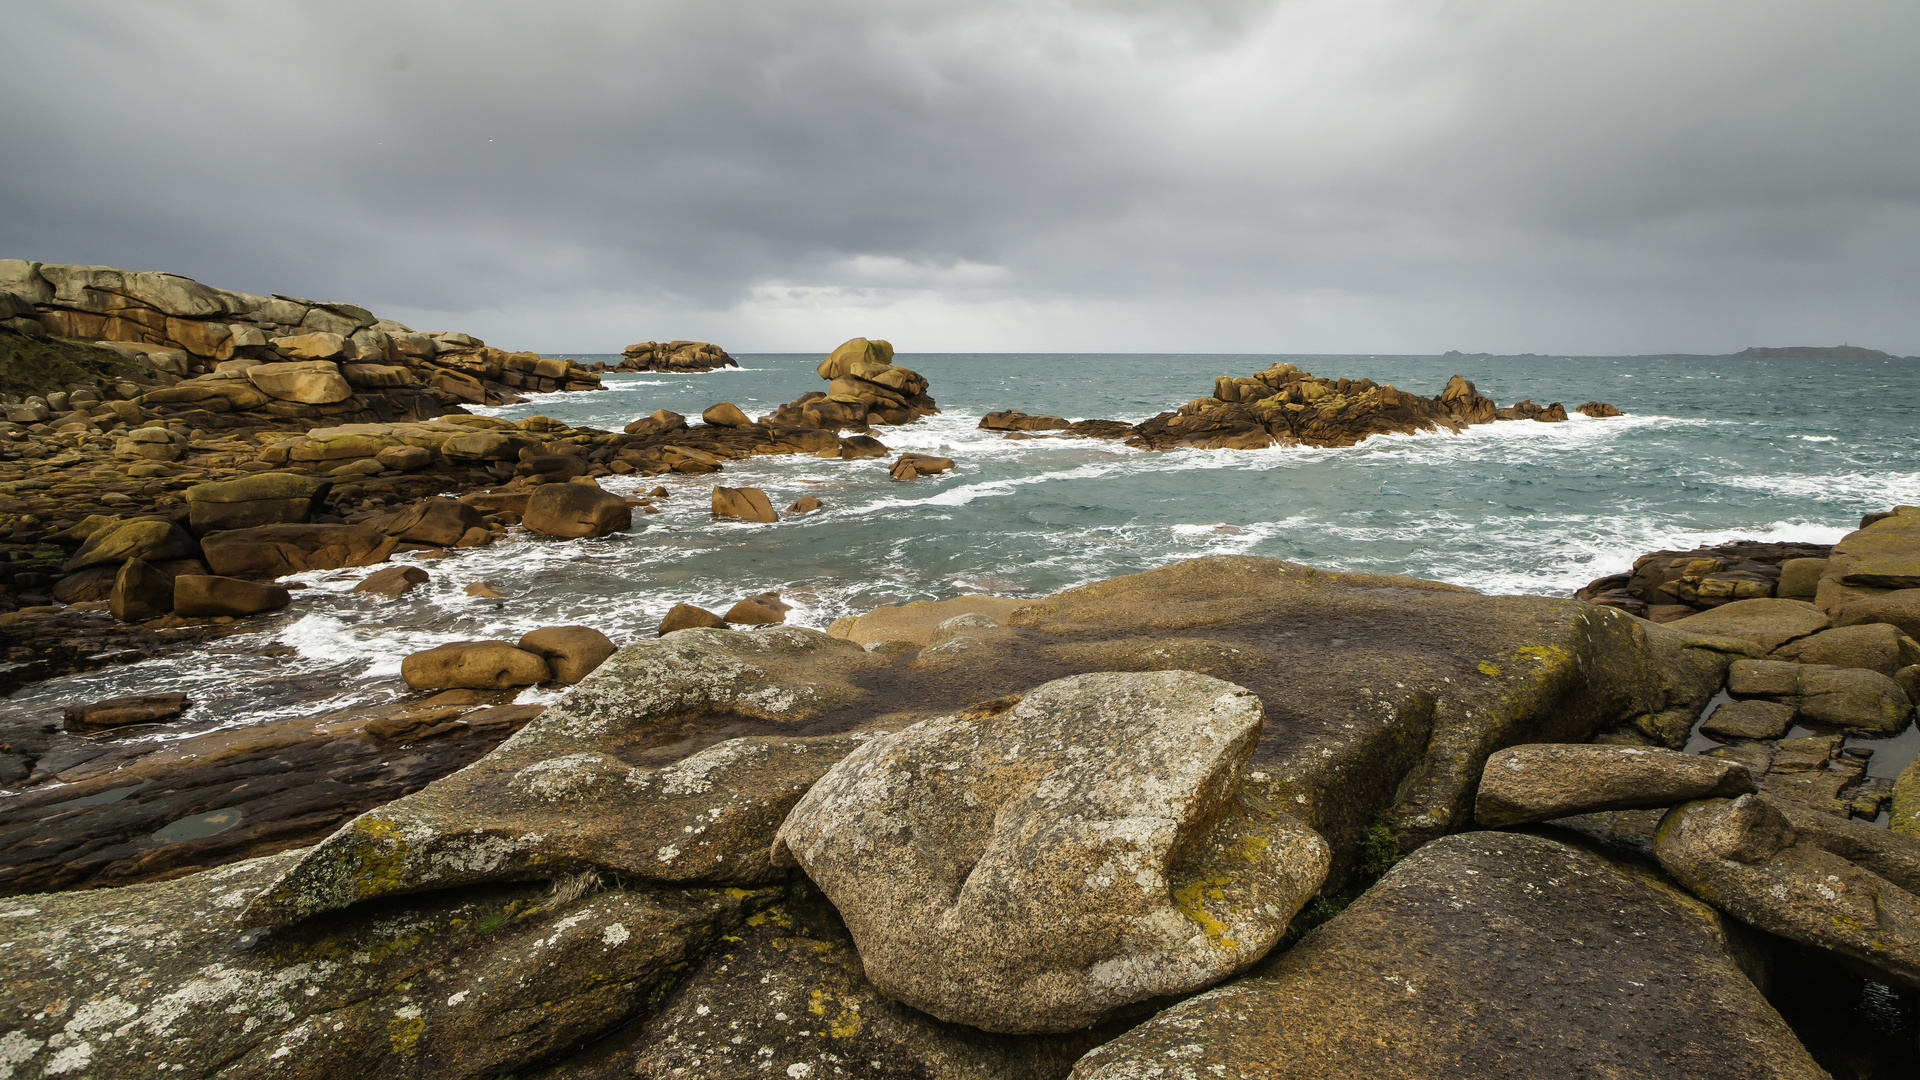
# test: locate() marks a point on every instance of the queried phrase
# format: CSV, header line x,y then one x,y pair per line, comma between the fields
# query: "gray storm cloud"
x,y
1298,176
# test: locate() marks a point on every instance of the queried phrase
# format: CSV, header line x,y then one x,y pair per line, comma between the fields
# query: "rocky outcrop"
x,y
674,357
1855,698
747,504
573,511
1485,954
571,652
305,352
915,466
864,387
1882,558
1059,853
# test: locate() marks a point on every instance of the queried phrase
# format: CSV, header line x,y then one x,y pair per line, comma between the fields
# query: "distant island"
x,y
1789,352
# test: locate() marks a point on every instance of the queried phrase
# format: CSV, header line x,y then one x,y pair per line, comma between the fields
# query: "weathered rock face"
x,y
1539,782
1074,854
469,984
440,522
271,551
576,511
1900,608
261,499
309,382
1484,954
140,592
1744,857
725,414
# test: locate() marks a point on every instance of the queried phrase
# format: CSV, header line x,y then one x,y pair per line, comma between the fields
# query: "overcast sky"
x,y
1102,175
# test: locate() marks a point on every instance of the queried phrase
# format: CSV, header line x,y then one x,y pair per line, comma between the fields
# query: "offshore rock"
x,y
558,797
1540,782
1745,857
1037,868
1484,955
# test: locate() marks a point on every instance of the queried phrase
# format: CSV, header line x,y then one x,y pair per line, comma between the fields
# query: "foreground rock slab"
x,y
1484,955
787,996
1543,781
1747,858
1036,868
151,980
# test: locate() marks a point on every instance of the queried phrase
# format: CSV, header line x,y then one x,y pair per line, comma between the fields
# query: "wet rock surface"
x,y
1484,955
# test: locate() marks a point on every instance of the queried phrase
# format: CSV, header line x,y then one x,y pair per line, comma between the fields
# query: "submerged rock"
x,y
1484,954
1038,867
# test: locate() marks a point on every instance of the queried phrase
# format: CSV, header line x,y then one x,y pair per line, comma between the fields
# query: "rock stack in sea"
x,y
674,356
1285,406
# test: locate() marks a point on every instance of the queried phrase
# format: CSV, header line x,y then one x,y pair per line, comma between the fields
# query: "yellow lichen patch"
x,y
738,894
381,859
775,915
1489,670
1191,900
845,1024
404,1032
1253,846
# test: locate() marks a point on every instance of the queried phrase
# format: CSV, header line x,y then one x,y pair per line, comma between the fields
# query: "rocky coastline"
x,y
1230,817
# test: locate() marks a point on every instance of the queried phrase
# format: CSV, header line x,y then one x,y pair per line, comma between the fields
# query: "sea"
x,y
1710,450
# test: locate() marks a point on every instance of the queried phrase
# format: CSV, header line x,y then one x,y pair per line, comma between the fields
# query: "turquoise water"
x,y
1711,450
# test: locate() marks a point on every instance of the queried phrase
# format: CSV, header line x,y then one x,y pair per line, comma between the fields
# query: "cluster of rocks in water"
x,y
674,356
1285,406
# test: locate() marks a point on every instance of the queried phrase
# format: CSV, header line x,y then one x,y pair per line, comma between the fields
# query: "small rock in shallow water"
x,y
392,581
686,616
487,590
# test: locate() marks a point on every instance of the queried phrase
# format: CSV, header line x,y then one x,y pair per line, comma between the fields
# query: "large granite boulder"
x,y
439,522
270,551
576,511
571,652
1542,781
1484,955
1883,555
1747,858
308,382
150,540
474,665
747,504
140,592
463,985
261,499
1037,867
